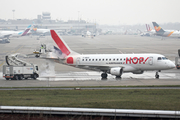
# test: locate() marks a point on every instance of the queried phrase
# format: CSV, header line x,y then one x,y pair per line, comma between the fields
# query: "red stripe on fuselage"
x,y
59,43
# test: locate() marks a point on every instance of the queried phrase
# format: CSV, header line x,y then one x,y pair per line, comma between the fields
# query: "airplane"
x,y
165,33
42,32
5,35
114,64
88,34
21,33
147,32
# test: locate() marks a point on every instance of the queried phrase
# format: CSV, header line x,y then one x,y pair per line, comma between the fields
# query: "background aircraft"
x,y
165,33
5,35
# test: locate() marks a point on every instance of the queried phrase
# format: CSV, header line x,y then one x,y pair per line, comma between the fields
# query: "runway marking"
x,y
18,49
2,63
127,48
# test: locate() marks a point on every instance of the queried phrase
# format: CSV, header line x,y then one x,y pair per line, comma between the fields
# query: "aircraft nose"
x,y
172,65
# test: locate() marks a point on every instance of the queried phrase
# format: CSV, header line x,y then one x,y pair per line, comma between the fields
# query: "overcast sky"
x,y
111,12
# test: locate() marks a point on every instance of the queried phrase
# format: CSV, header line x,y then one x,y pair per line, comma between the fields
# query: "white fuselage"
x,y
42,31
13,33
129,62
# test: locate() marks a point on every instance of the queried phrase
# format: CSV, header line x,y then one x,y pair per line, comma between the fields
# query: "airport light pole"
x,y
13,13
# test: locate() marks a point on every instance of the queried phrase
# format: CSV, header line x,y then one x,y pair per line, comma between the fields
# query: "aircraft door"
x,y
150,61
78,61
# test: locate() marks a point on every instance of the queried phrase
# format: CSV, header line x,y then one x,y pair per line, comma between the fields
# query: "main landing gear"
x,y
104,75
118,77
157,75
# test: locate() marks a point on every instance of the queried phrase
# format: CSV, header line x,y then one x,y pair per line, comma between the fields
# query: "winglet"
x,y
60,43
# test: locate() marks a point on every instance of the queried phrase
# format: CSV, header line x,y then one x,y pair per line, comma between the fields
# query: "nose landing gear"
x,y
157,74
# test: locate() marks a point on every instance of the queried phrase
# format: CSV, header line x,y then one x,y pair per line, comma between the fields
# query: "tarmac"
x,y
57,75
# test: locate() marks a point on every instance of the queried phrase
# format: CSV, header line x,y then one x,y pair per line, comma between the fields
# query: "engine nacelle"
x,y
116,71
138,72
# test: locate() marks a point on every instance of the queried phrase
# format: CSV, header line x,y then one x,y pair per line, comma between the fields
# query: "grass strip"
x,y
101,86
153,99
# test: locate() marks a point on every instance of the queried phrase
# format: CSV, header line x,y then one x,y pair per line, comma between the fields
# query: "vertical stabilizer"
x,y
26,31
60,43
158,28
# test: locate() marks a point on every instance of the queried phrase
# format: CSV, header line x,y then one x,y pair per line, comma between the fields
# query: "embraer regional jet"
x,y
114,64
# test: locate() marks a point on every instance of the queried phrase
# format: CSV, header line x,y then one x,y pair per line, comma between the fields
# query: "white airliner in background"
x,y
41,32
87,34
5,35
114,64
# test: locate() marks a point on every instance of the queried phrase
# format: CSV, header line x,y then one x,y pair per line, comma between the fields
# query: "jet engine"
x,y
138,72
116,71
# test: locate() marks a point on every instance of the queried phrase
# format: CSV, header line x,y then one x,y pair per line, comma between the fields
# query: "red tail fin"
x,y
60,43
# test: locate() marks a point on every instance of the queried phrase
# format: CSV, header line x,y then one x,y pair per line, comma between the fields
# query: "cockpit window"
x,y
162,58
159,58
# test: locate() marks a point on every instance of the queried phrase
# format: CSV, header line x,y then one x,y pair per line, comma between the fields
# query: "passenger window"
x,y
114,59
117,59
89,59
99,59
109,59
102,59
92,59
106,59
82,59
86,59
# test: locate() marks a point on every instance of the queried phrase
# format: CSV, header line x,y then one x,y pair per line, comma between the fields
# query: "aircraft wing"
x,y
97,68
6,36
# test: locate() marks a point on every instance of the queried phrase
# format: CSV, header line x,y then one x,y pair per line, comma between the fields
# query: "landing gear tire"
x,y
157,75
104,75
118,77
7,78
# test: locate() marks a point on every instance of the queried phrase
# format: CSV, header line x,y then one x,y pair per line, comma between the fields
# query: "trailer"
x,y
17,69
20,72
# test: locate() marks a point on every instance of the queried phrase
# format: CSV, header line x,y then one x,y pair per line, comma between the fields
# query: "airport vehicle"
x,y
165,33
177,63
18,69
5,35
114,64
20,72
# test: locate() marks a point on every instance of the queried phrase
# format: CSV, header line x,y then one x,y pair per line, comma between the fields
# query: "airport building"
x,y
45,21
